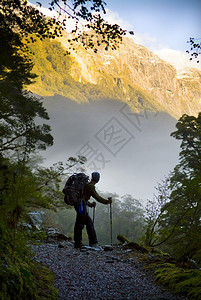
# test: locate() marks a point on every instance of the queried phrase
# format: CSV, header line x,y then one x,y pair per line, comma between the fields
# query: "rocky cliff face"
x,y
131,74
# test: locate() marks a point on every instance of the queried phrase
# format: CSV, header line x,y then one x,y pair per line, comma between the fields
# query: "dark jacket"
x,y
90,191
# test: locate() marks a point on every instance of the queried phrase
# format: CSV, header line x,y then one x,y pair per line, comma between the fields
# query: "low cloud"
x,y
178,59
150,42
144,39
114,18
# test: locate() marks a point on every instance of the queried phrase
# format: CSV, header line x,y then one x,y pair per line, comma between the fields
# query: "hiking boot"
x,y
78,246
94,245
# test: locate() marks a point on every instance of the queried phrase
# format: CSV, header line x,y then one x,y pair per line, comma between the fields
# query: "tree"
x,y
21,133
154,210
127,218
27,20
18,109
180,222
132,217
90,29
195,48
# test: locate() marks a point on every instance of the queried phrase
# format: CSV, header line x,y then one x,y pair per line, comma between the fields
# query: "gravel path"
x,y
98,275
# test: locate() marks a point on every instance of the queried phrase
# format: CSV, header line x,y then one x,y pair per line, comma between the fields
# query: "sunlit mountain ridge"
x,y
131,74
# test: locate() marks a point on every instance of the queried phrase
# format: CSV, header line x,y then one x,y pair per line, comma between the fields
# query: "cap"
x,y
95,176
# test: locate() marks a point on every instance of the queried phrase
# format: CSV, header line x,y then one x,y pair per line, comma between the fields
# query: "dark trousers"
x,y
81,220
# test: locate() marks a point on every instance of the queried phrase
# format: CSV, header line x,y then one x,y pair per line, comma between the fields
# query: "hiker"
x,y
84,218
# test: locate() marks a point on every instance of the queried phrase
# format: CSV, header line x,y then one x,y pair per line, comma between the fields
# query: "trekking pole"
x,y
111,223
93,213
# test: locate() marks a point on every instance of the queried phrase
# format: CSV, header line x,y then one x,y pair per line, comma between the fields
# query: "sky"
x,y
164,27
162,24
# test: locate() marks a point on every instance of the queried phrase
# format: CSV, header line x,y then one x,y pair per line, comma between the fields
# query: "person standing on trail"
x,y
84,218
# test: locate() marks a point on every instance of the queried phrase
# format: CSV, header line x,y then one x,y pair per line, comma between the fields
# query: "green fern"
x,y
186,282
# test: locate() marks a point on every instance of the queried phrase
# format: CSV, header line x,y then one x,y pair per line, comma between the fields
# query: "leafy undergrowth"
x,y
197,257
183,281
31,281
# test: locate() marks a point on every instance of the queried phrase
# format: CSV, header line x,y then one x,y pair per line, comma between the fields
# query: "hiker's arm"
x,y
97,197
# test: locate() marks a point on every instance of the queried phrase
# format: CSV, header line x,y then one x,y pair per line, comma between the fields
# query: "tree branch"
x,y
171,233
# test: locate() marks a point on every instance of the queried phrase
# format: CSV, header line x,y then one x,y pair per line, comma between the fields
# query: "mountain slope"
x,y
131,74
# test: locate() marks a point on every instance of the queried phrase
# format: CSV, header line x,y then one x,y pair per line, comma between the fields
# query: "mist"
x,y
132,152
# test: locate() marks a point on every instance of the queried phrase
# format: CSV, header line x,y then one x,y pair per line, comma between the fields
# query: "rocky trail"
x,y
100,273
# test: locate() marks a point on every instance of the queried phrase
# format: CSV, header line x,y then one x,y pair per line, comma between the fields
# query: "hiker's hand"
x,y
94,204
110,200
